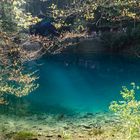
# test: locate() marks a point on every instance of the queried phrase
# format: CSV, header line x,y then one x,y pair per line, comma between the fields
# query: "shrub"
x,y
128,111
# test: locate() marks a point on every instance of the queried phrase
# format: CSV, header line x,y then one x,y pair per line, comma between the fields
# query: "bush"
x,y
128,111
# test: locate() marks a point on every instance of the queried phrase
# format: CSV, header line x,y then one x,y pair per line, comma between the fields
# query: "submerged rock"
x,y
87,127
60,117
24,135
88,115
49,136
59,136
66,127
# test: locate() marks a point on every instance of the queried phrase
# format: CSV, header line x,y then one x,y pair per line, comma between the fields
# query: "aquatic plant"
x,y
128,111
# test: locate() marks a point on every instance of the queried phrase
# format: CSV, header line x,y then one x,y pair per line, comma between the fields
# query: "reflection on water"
x,y
82,83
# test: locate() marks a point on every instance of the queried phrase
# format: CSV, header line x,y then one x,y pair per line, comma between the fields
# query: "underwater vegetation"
x,y
23,135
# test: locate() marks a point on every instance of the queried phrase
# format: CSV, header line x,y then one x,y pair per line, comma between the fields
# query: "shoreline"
x,y
87,126
74,43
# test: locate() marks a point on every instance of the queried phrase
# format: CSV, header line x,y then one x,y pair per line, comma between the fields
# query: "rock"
x,y
5,122
107,121
87,127
81,136
34,127
66,128
34,139
61,117
88,115
49,136
39,135
41,117
59,136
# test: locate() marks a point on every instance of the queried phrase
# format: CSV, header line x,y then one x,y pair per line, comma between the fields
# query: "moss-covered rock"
x,y
24,135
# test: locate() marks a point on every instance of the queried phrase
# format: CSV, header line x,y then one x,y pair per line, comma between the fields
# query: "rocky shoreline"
x,y
77,45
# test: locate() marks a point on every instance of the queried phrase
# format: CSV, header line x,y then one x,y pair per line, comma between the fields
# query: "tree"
x,y
13,15
15,79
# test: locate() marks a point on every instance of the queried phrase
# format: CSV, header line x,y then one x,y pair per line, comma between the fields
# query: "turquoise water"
x,y
82,83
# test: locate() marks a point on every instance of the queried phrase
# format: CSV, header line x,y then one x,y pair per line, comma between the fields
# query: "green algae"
x,y
24,135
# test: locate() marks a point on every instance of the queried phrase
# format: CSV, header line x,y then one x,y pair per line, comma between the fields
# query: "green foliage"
x,y
15,79
128,111
13,16
99,12
6,19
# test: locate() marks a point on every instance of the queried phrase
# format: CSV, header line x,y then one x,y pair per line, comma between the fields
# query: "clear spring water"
x,y
82,83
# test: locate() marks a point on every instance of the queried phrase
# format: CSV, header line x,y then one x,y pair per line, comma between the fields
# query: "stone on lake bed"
x,y
49,136
90,114
87,127
59,136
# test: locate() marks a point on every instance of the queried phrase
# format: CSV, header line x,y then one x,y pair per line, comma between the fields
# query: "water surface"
x,y
82,83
